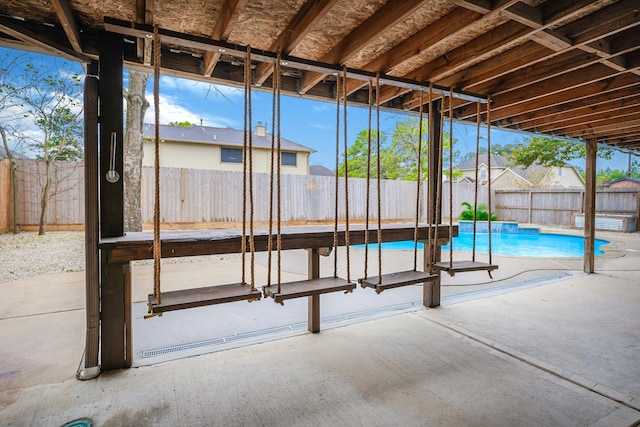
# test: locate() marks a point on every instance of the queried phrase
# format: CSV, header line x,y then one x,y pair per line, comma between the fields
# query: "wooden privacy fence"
x,y
193,196
204,196
557,207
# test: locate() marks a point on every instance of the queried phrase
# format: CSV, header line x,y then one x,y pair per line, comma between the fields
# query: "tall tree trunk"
x,y
44,201
137,106
14,182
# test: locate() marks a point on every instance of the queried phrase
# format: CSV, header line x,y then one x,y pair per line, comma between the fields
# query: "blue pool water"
x,y
527,245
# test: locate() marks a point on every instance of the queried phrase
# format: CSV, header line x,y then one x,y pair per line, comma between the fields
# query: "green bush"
x,y
481,213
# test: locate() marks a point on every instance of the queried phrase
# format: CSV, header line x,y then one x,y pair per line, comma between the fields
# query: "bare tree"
x,y
137,106
9,64
53,101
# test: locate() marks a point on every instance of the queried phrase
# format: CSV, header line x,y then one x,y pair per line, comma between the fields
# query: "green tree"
x,y
184,124
358,152
550,152
399,159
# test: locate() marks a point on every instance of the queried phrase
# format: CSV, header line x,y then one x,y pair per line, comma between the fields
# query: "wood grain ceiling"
x,y
566,68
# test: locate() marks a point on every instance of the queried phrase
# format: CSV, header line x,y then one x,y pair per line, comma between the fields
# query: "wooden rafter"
x,y
380,22
32,38
229,16
68,22
304,21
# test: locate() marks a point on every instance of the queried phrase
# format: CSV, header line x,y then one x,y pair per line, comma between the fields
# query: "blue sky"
x,y
307,122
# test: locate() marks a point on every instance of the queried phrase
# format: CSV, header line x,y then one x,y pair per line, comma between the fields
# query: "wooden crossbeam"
x,y
68,22
229,16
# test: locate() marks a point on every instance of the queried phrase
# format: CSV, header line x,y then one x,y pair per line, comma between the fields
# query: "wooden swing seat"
x,y
397,280
305,288
464,266
200,297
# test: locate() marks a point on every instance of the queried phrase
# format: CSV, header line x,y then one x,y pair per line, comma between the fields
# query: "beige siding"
x,y
208,157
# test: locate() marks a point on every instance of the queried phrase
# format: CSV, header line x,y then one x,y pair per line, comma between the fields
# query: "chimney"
x,y
261,129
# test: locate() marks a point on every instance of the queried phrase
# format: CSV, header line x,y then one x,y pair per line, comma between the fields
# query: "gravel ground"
x,y
26,254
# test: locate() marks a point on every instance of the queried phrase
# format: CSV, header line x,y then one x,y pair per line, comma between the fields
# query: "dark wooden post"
x,y
91,224
590,207
113,290
313,272
431,290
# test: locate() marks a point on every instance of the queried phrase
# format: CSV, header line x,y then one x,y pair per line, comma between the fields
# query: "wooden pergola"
x,y
562,68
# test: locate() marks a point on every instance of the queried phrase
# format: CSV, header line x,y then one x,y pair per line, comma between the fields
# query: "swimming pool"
x,y
540,245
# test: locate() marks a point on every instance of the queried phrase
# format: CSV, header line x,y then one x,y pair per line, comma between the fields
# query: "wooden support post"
x,y
112,284
111,121
113,315
430,290
435,131
313,272
91,221
128,319
590,207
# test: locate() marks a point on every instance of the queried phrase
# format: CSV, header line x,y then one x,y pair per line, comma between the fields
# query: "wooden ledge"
x,y
397,280
305,288
200,297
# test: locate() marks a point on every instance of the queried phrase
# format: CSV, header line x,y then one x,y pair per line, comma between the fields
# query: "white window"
x,y
483,174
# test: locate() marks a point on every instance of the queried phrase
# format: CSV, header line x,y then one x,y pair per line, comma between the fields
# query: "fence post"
x,y
5,194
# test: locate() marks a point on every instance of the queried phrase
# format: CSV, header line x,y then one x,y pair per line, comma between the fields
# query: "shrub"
x,y
481,213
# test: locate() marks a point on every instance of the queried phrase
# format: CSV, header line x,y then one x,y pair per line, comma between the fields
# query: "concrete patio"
x,y
543,344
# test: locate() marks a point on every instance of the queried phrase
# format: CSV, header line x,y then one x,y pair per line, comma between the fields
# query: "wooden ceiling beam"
x,y
377,24
229,16
567,94
305,20
623,120
38,39
572,112
68,22
630,123
547,89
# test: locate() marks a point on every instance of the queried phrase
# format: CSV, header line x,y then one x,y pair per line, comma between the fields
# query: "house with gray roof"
x,y
504,176
205,147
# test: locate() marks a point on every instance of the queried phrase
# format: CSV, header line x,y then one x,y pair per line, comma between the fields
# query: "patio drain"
x,y
83,422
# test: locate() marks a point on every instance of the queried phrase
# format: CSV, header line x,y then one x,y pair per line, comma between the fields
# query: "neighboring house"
x,y
203,147
505,177
320,170
632,183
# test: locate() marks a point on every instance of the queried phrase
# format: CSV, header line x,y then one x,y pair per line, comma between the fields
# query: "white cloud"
x,y
172,111
321,126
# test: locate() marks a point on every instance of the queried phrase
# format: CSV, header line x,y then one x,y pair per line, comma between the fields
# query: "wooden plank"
x,y
135,246
68,22
305,288
229,16
113,317
464,266
397,280
200,297
313,309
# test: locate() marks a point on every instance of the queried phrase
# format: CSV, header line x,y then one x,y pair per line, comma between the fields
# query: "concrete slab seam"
x,y
628,401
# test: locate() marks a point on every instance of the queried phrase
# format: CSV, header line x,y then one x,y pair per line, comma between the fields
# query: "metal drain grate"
x,y
277,330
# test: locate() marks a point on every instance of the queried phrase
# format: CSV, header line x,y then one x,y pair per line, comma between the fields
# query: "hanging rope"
x,y
278,84
335,216
475,196
489,177
272,169
438,182
378,177
157,249
419,184
367,204
346,173
450,177
247,175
